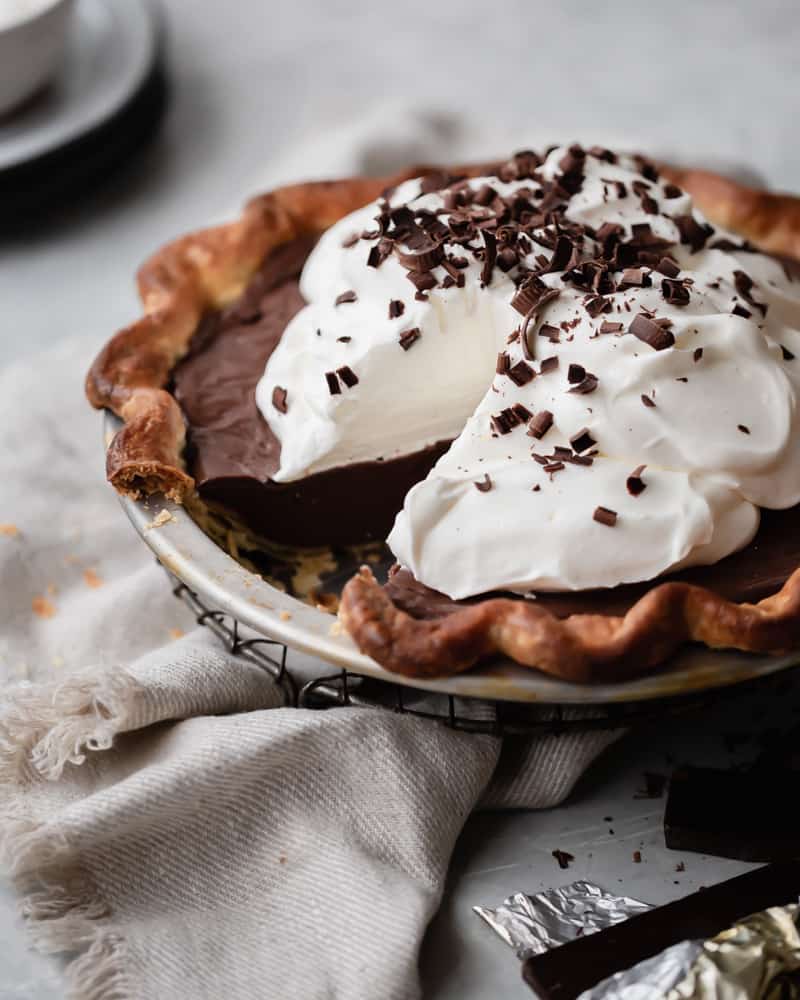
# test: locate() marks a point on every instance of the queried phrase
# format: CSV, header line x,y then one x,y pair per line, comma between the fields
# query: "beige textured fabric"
x,y
244,849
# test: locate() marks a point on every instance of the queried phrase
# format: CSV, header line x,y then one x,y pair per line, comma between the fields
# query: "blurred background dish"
x,y
33,34
106,96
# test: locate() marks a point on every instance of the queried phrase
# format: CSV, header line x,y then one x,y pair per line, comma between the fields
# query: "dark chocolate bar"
x,y
565,972
748,815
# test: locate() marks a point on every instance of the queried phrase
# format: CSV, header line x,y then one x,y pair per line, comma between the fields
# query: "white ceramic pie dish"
x,y
192,556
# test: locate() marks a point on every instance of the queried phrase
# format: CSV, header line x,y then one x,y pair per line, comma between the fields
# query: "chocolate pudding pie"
x,y
565,397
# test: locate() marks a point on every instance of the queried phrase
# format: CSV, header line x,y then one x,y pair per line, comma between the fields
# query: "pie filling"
x,y
642,407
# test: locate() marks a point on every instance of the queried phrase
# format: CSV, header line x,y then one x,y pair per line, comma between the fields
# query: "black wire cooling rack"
x,y
498,718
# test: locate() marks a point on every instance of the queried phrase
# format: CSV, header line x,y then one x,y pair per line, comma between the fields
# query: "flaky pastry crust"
x,y
580,648
768,220
209,269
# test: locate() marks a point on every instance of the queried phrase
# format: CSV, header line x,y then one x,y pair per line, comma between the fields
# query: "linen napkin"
x,y
171,827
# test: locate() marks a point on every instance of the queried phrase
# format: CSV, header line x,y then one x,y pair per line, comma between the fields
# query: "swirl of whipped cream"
x,y
684,365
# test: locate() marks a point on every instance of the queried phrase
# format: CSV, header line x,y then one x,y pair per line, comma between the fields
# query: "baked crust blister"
x,y
209,269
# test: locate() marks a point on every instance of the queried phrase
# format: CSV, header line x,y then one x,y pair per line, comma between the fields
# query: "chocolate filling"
x,y
232,451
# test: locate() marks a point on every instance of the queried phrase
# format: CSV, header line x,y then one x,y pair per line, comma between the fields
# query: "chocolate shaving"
x,y
503,363
672,191
423,259
533,293
692,232
651,333
409,337
697,354
648,401
668,267
351,241
548,365
563,858
396,308
744,286
521,373
576,373
348,296
490,256
675,292
634,483
378,254
586,385
522,412
607,327
279,395
739,310
347,375
484,485
343,340
603,515
597,305
634,277
787,354
333,383
743,428
552,333
540,424
582,441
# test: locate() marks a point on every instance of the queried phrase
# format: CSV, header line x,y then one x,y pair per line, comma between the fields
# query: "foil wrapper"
x,y
758,958
532,925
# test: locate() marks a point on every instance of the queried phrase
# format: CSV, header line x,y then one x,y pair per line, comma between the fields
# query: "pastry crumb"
x,y
285,616
51,590
9,530
163,517
91,579
176,633
42,607
58,661
336,628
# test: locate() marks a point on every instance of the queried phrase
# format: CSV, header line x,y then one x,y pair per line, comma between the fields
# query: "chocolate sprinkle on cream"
x,y
540,424
605,516
396,308
576,373
634,483
503,363
744,286
691,232
651,333
582,441
549,365
348,296
787,354
588,384
648,401
484,485
606,327
333,383
739,310
675,292
279,399
348,376
409,337
521,373
698,353
743,428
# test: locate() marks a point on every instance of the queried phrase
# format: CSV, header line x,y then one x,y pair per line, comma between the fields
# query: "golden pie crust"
x,y
211,268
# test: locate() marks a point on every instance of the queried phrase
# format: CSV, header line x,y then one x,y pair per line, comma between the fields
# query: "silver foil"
x,y
532,925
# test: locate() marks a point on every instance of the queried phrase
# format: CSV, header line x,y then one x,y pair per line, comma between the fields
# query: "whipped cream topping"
x,y
610,328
